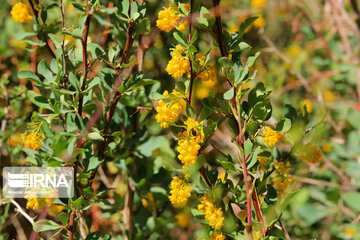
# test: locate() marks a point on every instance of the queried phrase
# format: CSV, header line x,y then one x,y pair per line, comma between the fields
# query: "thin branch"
x,y
22,212
192,74
36,14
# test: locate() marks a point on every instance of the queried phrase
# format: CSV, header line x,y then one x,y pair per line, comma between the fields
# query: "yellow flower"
x,y
212,214
178,64
33,140
328,96
202,92
260,22
189,144
39,203
22,13
293,51
308,103
182,25
309,153
217,235
221,176
15,139
258,3
167,19
168,108
148,201
208,76
55,209
183,219
271,137
282,177
180,192
326,147
350,231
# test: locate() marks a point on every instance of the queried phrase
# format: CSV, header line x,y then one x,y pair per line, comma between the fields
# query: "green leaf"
x,y
225,62
197,213
245,24
251,60
351,199
229,94
20,36
312,214
284,125
142,82
248,147
45,225
95,136
253,158
38,100
194,37
28,75
74,81
178,38
94,162
203,18
93,236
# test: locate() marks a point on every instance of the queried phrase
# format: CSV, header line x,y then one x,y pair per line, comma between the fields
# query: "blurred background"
x,y
309,56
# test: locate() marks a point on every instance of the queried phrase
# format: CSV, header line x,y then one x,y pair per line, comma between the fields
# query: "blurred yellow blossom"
x,y
328,96
217,235
350,231
258,3
309,153
260,22
183,219
308,103
326,147
22,13
148,201
33,140
15,140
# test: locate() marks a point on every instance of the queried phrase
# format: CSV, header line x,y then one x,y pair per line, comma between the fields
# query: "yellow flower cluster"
x,y
183,219
33,140
271,137
282,177
15,139
207,76
180,192
148,201
217,235
168,108
39,203
212,214
309,153
178,64
258,3
22,13
189,145
169,18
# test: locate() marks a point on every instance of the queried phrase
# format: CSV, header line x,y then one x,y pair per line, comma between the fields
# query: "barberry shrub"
x,y
185,147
